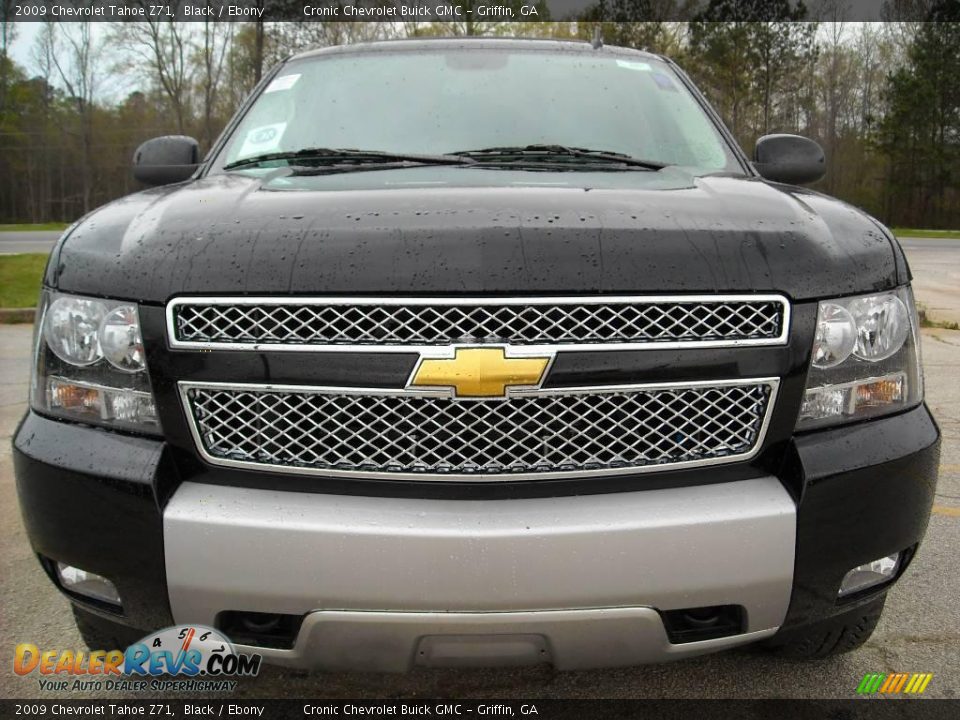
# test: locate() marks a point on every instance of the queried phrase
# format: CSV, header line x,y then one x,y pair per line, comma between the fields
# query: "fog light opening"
x,y
870,575
703,623
272,630
82,582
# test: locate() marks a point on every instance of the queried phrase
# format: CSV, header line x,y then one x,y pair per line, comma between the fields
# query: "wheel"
x,y
839,634
101,634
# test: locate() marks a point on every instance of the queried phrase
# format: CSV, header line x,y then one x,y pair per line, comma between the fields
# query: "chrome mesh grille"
x,y
558,321
604,429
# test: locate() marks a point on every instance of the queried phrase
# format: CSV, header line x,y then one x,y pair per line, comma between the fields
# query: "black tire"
x,y
839,634
101,634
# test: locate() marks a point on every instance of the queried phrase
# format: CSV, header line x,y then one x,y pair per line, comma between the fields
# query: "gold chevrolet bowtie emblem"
x,y
480,372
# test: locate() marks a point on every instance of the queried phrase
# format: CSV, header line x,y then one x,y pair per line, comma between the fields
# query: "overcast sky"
x,y
20,49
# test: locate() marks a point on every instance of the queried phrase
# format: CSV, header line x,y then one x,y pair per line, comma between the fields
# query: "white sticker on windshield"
x,y
630,65
262,139
282,83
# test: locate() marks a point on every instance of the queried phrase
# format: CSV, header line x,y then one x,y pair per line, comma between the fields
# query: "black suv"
x,y
478,352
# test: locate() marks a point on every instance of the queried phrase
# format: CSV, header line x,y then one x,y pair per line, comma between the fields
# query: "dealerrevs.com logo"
x,y
894,683
182,657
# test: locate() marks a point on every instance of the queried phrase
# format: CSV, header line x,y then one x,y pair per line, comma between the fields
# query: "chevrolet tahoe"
x,y
478,352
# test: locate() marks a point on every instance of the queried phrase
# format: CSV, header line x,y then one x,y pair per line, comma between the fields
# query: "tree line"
x,y
883,99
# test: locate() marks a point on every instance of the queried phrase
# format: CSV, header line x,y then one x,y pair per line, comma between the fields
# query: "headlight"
x,y
836,335
90,364
120,339
865,360
72,329
883,324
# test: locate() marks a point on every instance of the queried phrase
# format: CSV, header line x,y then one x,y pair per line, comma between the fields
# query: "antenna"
x,y
597,41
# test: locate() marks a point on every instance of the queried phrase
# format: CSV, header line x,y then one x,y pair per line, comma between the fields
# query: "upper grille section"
x,y
428,436
603,322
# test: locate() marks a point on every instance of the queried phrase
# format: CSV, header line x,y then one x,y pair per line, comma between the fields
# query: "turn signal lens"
x,y
853,399
75,399
880,392
94,403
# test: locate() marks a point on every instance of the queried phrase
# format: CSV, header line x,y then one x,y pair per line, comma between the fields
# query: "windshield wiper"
x,y
523,153
349,155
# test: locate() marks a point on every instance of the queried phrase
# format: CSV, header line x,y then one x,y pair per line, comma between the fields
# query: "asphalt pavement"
x,y
33,241
918,633
935,264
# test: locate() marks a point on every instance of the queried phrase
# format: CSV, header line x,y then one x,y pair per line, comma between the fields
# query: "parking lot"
x,y
918,633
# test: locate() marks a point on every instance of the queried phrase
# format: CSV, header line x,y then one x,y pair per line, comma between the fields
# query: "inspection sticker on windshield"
x,y
282,83
630,65
262,139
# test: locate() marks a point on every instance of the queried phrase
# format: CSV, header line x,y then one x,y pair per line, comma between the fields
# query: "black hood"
x,y
373,233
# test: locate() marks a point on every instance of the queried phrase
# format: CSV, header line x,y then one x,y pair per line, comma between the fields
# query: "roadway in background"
x,y
23,241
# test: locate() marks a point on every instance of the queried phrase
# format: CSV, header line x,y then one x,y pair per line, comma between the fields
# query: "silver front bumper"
x,y
576,581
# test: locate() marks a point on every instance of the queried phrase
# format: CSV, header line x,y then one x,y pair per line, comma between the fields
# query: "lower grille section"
x,y
537,433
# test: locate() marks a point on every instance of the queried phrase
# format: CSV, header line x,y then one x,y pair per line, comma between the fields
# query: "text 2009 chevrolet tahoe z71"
x,y
478,352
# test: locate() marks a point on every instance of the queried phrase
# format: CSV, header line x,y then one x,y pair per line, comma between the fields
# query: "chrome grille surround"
x,y
594,323
428,435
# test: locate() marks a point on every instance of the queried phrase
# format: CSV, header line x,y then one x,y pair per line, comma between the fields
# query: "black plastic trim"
x,y
93,499
865,491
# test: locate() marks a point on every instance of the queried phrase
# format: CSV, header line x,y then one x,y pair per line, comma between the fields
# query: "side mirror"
x,y
166,160
789,159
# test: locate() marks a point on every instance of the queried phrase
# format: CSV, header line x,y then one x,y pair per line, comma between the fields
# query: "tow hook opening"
x,y
688,625
270,630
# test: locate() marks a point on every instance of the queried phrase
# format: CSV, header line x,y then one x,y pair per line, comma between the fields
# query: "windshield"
x,y
436,102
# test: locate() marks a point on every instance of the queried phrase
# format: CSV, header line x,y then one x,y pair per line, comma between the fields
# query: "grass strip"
x,y
31,227
20,277
915,233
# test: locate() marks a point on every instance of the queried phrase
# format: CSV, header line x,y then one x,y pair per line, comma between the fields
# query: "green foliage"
x,y
619,24
745,54
935,234
920,131
32,227
42,153
20,277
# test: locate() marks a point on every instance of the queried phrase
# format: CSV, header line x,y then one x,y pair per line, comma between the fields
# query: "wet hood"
x,y
235,234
